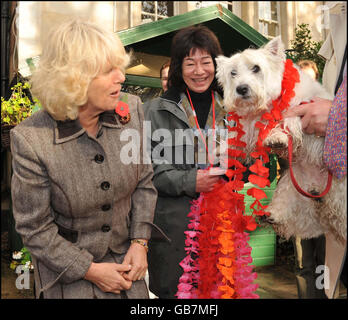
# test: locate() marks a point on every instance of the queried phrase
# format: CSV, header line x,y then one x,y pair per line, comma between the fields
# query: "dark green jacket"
x,y
176,185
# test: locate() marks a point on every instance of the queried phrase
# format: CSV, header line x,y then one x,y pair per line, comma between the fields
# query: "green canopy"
x,y
155,37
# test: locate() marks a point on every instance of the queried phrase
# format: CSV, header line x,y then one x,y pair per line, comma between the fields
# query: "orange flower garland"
x,y
222,268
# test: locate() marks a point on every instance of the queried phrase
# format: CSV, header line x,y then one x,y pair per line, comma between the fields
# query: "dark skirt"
x,y
164,257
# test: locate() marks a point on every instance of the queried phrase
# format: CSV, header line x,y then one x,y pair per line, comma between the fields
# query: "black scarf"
x,y
201,103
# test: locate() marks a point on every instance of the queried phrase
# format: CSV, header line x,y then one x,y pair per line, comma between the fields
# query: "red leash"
x,y
298,188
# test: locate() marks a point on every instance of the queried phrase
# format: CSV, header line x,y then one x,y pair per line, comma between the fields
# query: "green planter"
x,y
263,244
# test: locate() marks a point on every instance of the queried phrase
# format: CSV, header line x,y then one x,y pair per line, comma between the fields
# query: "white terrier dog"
x,y
251,80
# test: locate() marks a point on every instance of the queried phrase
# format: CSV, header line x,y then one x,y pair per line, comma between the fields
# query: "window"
x,y
156,10
204,4
269,18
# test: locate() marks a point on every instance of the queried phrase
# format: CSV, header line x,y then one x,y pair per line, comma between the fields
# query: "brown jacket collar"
x,y
71,129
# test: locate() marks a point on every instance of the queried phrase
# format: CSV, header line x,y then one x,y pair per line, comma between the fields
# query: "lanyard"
x,y
197,124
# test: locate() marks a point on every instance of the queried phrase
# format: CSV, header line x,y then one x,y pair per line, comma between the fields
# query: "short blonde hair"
x,y
309,64
74,54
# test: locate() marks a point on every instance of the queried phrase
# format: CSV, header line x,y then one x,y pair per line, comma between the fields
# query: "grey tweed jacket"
x,y
75,201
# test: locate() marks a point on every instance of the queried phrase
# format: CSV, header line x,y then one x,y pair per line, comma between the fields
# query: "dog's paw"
x,y
276,145
276,141
265,221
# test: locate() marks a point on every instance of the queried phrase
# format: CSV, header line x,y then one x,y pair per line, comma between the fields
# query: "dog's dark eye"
x,y
255,69
233,73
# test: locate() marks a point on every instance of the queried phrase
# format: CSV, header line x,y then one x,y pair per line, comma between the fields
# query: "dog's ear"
x,y
276,47
221,60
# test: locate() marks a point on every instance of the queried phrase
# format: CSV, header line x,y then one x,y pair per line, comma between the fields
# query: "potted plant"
x,y
22,257
19,106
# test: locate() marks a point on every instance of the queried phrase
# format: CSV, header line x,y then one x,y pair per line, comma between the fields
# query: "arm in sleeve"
x,y
173,182
30,189
335,147
169,180
145,195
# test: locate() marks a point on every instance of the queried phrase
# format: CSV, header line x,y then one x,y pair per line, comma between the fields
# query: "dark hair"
x,y
194,37
166,65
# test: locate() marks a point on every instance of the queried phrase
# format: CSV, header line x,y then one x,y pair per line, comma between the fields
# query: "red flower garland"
x,y
260,178
222,268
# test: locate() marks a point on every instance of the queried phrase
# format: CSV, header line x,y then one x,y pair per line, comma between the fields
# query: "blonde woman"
x,y
310,67
84,215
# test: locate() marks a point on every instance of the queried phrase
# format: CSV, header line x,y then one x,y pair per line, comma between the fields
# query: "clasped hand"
x,y
314,115
113,277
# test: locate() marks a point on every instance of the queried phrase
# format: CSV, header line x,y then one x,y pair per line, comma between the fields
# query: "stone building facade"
x,y
271,18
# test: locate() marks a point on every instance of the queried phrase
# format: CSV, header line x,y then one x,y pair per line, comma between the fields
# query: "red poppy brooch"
x,y
122,110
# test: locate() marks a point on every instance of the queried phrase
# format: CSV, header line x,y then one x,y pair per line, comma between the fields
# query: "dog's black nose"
x,y
243,89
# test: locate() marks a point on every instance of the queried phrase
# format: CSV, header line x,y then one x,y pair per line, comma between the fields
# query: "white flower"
x,y
17,255
27,266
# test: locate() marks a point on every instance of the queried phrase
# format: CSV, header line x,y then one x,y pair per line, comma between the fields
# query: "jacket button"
x,y
99,158
105,185
105,228
106,207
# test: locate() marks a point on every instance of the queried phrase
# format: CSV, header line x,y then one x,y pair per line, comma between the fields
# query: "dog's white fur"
x,y
292,213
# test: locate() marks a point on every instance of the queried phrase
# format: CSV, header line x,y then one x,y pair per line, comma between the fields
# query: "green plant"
x,y
303,48
18,107
21,257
